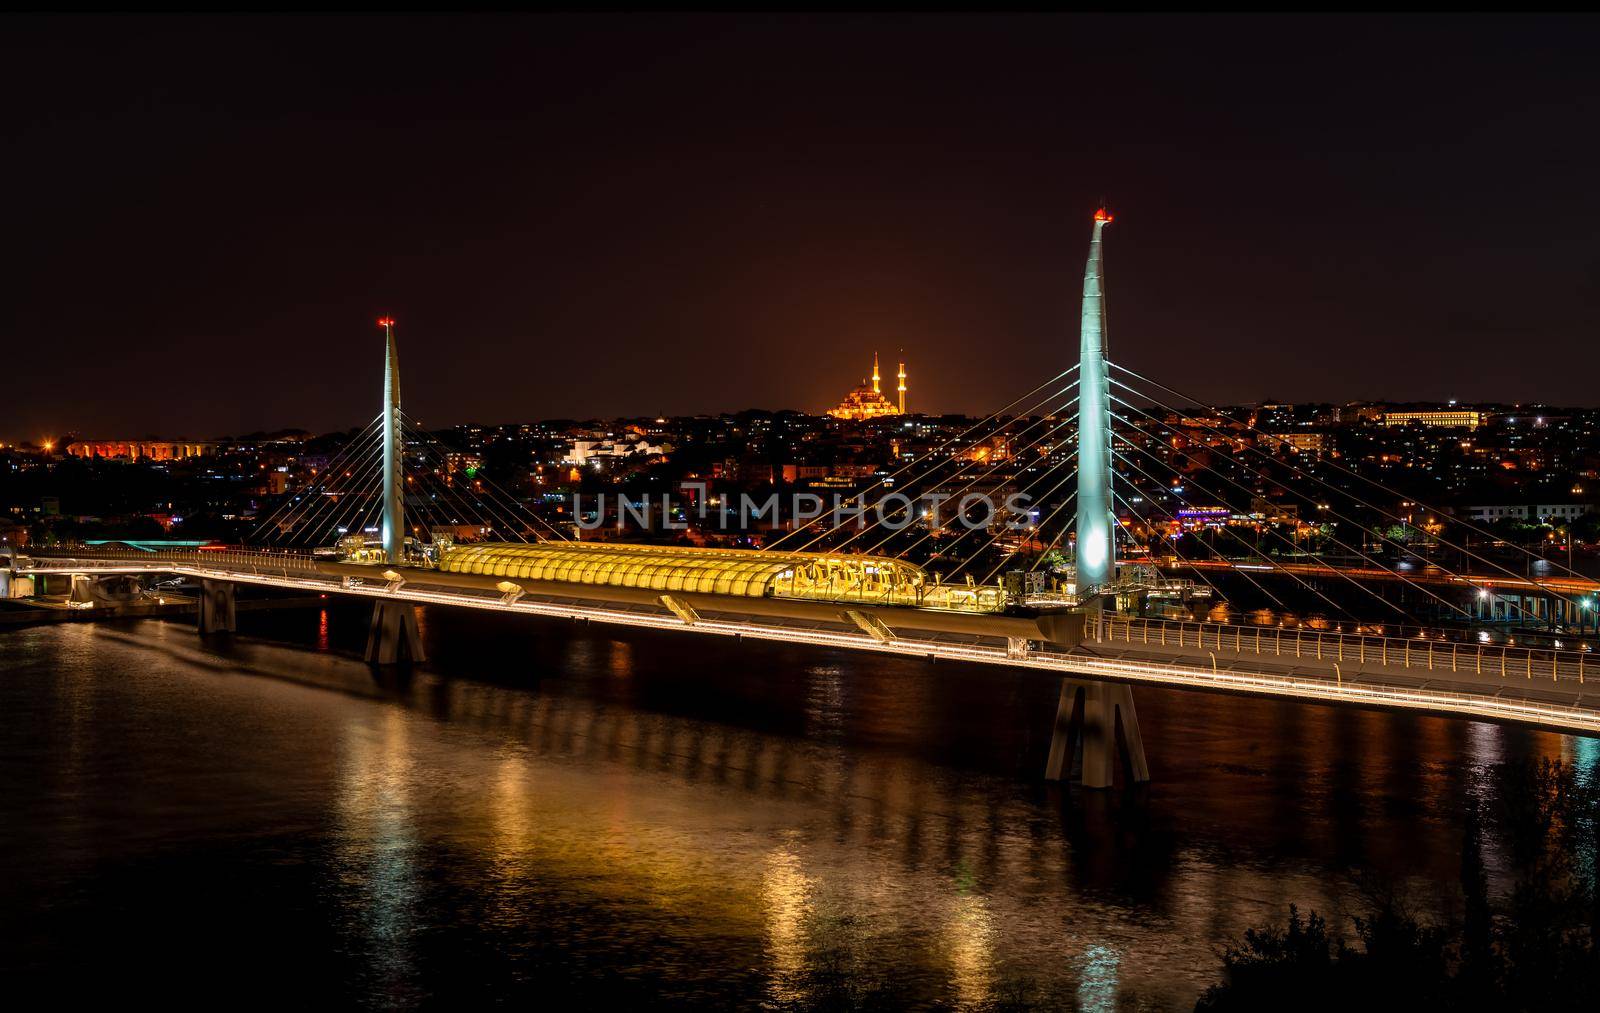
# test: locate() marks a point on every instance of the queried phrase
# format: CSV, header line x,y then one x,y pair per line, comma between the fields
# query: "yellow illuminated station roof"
x,y
739,572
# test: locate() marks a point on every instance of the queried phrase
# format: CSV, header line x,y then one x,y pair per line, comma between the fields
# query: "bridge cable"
x,y
1066,528
1047,472
1347,495
1174,519
996,538
468,516
502,504
429,514
503,507
469,513
928,473
1279,565
343,508
1215,590
333,490
1455,578
439,511
333,473
498,515
970,464
332,506
332,482
289,498
344,505
1051,432
1353,474
1270,530
1195,564
959,436
985,547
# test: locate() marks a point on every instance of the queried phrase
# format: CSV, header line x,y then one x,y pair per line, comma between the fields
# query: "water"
x,y
662,819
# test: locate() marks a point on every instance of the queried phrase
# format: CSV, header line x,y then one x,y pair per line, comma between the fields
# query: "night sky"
x,y
628,215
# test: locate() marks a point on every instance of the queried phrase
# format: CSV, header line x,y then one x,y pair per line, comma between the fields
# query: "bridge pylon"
x,y
394,511
1096,552
1090,713
393,637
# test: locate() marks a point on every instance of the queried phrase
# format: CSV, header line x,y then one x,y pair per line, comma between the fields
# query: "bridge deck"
x,y
1539,687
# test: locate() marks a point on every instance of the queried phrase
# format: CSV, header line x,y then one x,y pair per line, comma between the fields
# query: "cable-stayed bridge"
x,y
1120,605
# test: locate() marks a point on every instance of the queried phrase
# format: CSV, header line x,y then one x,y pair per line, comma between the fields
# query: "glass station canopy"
x,y
738,572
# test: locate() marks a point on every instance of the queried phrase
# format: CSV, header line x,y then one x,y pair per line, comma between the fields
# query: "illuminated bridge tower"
x,y
394,511
1091,712
1096,553
394,636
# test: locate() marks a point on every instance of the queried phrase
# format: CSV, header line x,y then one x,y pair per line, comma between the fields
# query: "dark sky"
x,y
629,215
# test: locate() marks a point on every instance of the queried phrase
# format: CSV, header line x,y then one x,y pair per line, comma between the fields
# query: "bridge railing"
x,y
221,556
1421,653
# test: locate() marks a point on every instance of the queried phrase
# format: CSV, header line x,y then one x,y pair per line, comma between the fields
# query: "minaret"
x,y
394,517
902,388
875,376
1096,550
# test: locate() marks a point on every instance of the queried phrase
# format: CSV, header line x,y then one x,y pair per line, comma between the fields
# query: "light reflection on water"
x,y
378,836
702,823
1097,988
786,906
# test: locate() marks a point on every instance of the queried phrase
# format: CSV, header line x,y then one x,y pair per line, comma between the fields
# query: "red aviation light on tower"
x,y
386,321
1103,215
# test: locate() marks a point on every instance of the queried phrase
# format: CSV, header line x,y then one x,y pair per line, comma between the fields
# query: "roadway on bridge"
x,y
1548,689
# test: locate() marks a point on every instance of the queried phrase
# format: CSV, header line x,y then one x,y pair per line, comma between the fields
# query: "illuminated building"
x,y
591,452
1300,443
868,402
136,450
1545,513
1444,418
456,463
1194,518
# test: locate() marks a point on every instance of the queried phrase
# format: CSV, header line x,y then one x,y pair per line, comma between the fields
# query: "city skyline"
x,y
245,196
59,442
802,512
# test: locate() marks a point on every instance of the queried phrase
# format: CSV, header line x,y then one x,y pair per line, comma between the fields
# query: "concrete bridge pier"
x,y
217,613
82,592
1087,718
15,585
1090,712
393,638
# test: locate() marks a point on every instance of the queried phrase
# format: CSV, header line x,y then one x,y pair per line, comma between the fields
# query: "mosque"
x,y
868,402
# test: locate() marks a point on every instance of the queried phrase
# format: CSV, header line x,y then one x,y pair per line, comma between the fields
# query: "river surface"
x,y
644,818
